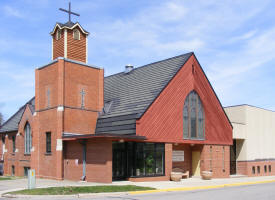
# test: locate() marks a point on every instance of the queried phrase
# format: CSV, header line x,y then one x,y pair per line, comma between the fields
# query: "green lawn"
x,y
82,189
4,178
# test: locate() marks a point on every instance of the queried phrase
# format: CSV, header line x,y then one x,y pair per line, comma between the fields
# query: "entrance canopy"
x,y
70,136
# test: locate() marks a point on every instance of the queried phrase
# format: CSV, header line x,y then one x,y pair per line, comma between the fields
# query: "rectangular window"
x,y
210,162
265,169
223,165
13,144
48,142
269,168
137,159
258,169
12,170
253,170
26,169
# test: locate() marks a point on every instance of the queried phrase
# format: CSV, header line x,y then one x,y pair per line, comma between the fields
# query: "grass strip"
x,y
4,178
81,190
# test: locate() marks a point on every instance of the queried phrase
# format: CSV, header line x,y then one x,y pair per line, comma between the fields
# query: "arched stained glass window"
x,y
28,139
193,117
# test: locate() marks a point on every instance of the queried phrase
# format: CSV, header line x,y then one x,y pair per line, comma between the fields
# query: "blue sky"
x,y
234,42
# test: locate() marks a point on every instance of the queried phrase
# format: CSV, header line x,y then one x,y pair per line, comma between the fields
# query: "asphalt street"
x,y
249,192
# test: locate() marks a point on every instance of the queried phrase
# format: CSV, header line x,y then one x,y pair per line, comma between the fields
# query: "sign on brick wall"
x,y
178,156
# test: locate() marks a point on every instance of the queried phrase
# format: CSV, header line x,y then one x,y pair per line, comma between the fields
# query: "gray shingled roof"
x,y
127,96
12,123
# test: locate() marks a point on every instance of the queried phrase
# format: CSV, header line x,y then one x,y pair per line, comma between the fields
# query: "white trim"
x,y
52,48
66,27
86,49
65,43
60,108
59,145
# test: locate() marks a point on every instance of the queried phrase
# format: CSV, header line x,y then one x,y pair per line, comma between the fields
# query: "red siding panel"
x,y
163,121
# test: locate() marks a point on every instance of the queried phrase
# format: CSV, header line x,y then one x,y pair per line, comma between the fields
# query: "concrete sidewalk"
x,y
18,184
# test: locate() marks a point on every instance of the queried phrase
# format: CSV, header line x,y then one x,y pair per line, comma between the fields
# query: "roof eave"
x,y
70,28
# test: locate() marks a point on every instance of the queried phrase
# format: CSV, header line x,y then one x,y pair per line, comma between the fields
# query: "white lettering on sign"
x,y
178,156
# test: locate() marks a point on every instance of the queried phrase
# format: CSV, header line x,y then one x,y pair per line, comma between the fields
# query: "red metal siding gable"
x,y
163,121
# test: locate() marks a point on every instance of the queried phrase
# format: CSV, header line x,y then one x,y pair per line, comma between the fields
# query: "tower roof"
x,y
69,25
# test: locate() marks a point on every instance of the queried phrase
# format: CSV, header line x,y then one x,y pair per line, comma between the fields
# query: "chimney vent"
x,y
128,68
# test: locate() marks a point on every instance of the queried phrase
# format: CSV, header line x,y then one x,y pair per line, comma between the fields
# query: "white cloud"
x,y
10,11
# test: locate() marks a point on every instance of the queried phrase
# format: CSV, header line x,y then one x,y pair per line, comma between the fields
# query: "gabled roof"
x,y
68,25
12,123
128,95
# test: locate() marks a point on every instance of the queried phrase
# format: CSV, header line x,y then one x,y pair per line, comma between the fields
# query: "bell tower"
x,y
70,40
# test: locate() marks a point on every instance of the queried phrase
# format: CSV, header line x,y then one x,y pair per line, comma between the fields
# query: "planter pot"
x,y
206,175
176,176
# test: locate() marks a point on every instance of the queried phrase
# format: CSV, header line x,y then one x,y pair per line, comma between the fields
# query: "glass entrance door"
x,y
119,161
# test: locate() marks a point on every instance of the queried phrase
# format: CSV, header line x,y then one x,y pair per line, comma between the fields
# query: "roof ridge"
x,y
166,59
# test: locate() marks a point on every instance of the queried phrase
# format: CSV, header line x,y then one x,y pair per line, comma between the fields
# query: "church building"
x,y
135,125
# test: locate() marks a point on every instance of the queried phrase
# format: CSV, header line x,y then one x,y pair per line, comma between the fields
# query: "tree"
x,y
1,119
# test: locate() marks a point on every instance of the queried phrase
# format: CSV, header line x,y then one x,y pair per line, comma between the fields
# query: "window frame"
x,y
58,34
190,107
48,142
27,139
13,143
76,34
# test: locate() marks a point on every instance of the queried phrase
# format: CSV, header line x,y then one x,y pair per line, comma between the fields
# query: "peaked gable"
x,y
163,121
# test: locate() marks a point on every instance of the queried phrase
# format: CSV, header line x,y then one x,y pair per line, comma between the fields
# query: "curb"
x,y
202,187
141,192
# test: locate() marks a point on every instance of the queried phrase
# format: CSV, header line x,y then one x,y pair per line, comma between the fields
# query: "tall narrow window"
x,y
76,34
13,144
82,98
223,160
58,34
210,162
48,97
193,117
48,142
28,139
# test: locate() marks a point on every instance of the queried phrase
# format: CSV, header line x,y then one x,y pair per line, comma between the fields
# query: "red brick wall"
x,y
245,168
65,79
186,165
19,159
220,160
98,161
163,121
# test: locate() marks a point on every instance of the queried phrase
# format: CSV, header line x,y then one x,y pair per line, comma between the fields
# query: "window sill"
x,y
48,154
27,154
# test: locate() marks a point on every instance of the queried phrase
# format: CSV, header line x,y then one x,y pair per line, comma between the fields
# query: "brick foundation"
x,y
246,168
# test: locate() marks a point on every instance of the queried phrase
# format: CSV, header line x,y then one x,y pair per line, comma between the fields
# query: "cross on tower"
x,y
82,97
69,12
